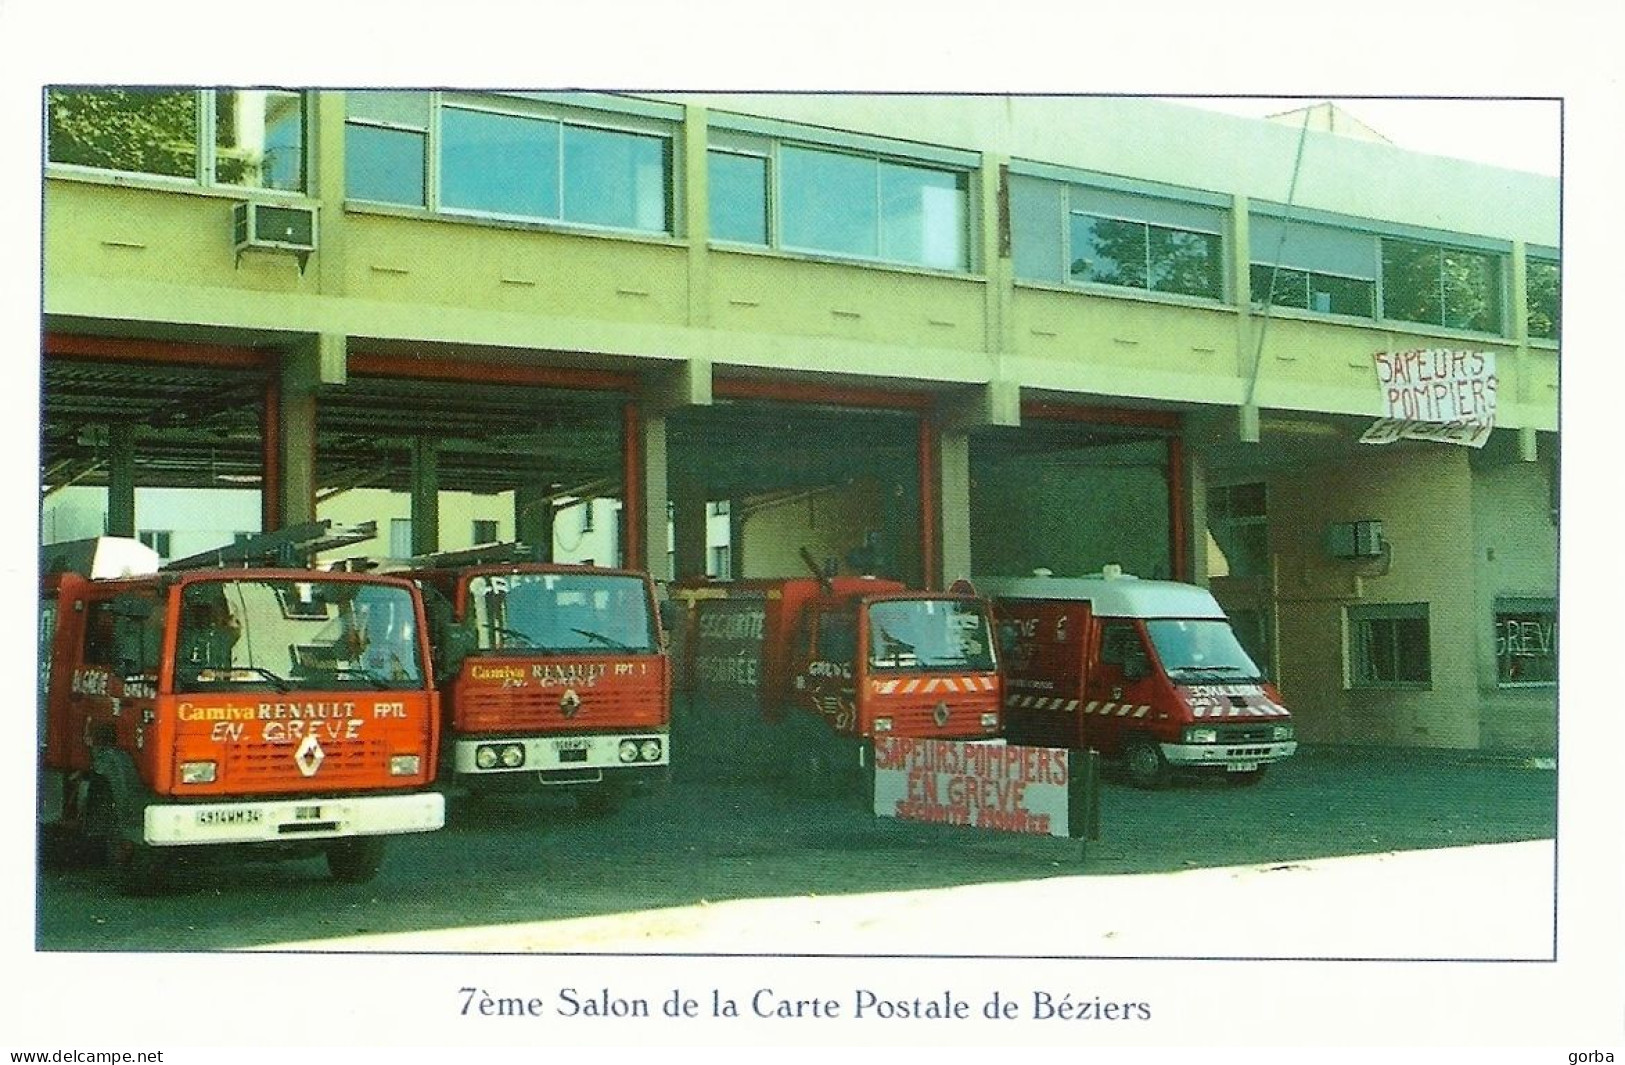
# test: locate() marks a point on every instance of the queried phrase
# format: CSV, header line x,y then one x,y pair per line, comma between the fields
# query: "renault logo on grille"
x,y
569,702
309,755
940,714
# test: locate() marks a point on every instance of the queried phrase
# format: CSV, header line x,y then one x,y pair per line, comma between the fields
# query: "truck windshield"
x,y
929,634
551,613
304,634
1200,650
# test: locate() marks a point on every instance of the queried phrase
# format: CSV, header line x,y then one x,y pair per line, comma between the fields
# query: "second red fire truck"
x,y
552,674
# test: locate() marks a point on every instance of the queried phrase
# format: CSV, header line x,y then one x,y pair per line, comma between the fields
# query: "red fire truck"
x,y
202,705
1147,672
867,656
551,673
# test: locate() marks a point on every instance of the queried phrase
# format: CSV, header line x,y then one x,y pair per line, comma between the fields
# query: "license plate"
x,y
1242,767
569,745
229,817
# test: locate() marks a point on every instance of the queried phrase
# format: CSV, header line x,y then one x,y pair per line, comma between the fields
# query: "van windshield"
x,y
307,634
549,613
1200,650
929,634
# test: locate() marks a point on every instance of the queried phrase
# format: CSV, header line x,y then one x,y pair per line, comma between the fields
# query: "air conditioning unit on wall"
x,y
274,227
1355,539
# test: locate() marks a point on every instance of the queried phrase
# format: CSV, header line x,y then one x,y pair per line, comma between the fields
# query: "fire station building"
x,y
925,337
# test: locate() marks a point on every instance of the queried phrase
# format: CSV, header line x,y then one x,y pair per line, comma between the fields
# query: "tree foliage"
x,y
144,131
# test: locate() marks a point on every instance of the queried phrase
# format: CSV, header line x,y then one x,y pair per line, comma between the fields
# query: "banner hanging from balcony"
x,y
1435,394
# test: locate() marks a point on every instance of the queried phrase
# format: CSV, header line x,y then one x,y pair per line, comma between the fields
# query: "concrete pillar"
x,y
652,465
121,479
688,526
1196,528
327,187
296,432
425,497
533,519
953,505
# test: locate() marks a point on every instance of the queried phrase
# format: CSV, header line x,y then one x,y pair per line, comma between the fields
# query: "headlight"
x,y
1201,735
990,720
882,724
486,757
404,765
628,750
1283,732
197,772
513,756
650,750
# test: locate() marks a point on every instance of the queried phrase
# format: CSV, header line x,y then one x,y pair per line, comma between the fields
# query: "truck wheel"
x,y
355,860
138,867
1146,766
1247,779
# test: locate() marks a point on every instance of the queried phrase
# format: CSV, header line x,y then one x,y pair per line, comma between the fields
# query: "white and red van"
x,y
1146,672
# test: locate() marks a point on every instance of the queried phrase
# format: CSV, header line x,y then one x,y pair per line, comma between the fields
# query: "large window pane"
x,y
1185,262
1342,295
1037,226
829,202
1390,645
384,165
1410,282
922,216
499,163
1279,287
613,178
1544,299
259,139
142,131
1472,290
1525,641
1108,251
738,186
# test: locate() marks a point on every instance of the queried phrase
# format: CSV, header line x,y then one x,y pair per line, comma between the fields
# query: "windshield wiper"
x,y
279,682
357,671
1212,669
600,638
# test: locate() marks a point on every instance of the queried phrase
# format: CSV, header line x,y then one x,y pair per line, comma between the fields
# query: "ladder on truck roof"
x,y
296,546
480,555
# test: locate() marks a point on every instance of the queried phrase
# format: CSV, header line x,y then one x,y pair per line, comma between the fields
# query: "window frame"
x,y
769,195
560,114
1556,264
1359,670
1509,605
205,153
1071,213
1443,248
770,148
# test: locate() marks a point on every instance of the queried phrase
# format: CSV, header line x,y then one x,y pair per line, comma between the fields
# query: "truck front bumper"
x,y
565,757
289,820
1233,757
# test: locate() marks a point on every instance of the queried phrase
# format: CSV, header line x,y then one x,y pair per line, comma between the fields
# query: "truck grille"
x,y
1245,734
267,768
539,709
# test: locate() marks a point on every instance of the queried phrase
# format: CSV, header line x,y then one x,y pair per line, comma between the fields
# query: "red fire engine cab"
x,y
223,701
551,674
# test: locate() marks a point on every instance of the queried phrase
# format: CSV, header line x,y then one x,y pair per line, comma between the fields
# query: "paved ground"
x,y
1338,853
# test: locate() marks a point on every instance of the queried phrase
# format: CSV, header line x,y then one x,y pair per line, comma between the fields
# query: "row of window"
x,y
511,158
1388,644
